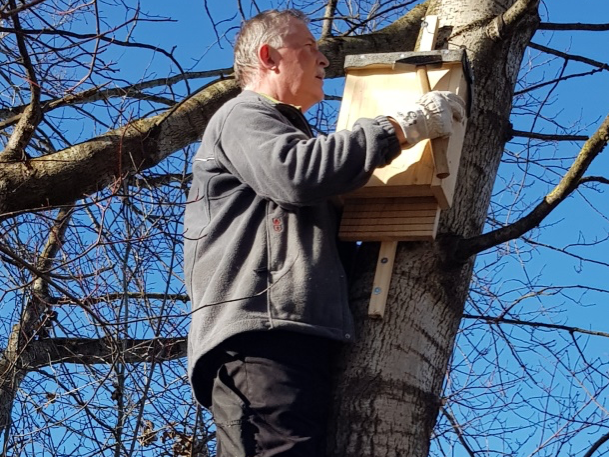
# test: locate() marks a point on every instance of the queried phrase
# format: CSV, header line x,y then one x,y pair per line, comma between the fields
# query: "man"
x,y
261,262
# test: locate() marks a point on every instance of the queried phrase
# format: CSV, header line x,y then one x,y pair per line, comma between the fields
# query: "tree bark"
x,y
389,383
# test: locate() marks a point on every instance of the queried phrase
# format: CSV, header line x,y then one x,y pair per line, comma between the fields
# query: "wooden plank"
x,y
429,33
451,78
390,219
366,237
390,203
382,279
439,146
369,93
384,269
405,223
426,233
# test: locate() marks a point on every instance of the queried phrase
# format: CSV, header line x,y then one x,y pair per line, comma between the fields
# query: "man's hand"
x,y
431,116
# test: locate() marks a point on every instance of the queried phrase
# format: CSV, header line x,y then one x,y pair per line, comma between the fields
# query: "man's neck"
x,y
269,90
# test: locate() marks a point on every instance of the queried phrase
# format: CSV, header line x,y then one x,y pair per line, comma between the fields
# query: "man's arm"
x,y
282,163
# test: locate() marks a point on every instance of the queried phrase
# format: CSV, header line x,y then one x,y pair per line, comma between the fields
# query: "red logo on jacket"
x,y
277,225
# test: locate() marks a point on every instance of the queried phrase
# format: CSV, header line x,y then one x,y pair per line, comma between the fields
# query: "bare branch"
x,y
24,131
574,26
17,9
88,167
548,136
93,36
602,440
569,182
32,323
503,320
567,56
599,179
326,29
563,250
457,428
85,351
557,80
39,273
96,94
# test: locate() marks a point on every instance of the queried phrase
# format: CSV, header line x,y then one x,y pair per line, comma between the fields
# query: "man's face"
x,y
301,67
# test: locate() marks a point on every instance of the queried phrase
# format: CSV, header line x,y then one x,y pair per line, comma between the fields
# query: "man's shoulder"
x,y
244,108
247,99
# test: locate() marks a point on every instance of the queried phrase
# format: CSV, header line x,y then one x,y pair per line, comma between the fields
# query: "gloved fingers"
x,y
435,101
432,102
457,106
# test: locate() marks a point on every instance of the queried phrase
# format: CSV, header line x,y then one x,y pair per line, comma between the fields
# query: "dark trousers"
x,y
270,396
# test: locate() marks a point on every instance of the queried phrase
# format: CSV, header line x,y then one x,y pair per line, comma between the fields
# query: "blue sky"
x,y
580,103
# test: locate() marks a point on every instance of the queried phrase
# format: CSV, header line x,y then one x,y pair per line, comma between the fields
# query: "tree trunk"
x,y
389,383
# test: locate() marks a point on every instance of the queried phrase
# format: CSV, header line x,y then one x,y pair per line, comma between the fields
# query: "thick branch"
x,y
120,296
592,148
85,351
326,29
507,23
85,168
401,35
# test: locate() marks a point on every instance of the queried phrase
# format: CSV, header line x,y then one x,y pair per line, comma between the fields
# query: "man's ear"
x,y
268,57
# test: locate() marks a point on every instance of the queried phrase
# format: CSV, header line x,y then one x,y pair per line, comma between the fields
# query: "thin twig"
x,y
549,137
574,26
566,328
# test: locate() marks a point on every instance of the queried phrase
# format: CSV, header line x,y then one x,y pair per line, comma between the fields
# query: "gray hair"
x,y
268,27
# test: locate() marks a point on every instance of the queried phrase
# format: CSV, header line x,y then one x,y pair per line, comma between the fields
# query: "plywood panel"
x,y
381,90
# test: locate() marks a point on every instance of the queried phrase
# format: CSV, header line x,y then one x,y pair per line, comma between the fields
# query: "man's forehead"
x,y
299,30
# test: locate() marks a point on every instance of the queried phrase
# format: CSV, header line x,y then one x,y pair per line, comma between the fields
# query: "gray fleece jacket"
x,y
260,247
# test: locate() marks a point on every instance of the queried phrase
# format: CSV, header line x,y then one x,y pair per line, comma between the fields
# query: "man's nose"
x,y
323,60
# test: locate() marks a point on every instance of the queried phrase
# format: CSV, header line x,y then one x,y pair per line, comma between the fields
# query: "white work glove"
x,y
431,116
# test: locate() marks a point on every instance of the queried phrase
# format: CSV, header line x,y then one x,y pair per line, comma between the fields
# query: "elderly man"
x,y
262,268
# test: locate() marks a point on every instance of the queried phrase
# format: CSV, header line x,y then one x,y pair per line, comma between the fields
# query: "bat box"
x,y
402,201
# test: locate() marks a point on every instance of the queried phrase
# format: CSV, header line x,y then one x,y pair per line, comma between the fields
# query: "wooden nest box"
x,y
402,201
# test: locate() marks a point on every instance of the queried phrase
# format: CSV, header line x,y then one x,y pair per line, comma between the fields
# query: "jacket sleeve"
x,y
281,163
